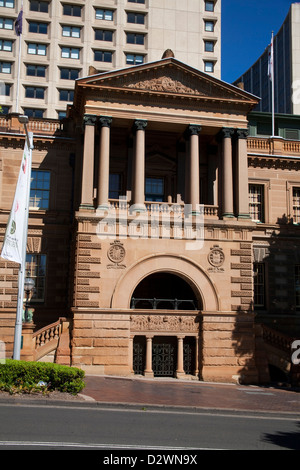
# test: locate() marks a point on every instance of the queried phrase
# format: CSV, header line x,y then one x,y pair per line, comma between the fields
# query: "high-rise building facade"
x,y
286,69
64,40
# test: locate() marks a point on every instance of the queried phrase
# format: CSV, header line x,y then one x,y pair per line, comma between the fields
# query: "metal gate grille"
x,y
139,354
189,363
164,357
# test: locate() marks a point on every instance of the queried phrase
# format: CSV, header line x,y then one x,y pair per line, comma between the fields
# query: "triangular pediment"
x,y
168,77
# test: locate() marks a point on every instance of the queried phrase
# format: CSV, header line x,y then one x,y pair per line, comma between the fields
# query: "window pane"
x,y
39,189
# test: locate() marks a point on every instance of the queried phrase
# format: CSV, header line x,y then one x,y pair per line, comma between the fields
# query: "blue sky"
x,y
247,27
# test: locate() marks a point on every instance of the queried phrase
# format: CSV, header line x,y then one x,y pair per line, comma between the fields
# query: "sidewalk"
x,y
166,392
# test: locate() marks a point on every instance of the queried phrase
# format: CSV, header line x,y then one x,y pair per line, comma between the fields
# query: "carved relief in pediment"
x,y
165,84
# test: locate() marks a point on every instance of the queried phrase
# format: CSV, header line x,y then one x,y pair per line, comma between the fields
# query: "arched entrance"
x,y
167,344
164,291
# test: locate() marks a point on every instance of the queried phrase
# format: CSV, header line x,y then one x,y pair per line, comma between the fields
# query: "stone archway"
x,y
166,340
169,263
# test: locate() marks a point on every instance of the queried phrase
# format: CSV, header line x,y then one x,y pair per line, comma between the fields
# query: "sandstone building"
x,y
161,233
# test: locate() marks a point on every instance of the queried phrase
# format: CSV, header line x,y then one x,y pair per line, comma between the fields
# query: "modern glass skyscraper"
x,y
63,40
286,69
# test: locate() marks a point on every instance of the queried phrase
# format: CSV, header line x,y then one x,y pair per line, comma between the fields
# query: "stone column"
x,y
227,173
139,166
180,370
148,367
103,175
193,158
242,175
87,188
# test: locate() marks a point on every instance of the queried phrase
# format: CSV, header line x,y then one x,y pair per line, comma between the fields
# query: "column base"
x,y
228,216
244,216
103,207
137,208
148,374
180,375
86,207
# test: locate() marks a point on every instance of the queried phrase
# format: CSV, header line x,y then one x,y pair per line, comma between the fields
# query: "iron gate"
x,y
164,356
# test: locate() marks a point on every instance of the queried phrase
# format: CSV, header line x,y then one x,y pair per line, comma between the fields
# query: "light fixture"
x,y
29,285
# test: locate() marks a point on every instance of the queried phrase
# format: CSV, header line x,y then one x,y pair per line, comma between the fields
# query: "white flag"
x,y
271,60
14,240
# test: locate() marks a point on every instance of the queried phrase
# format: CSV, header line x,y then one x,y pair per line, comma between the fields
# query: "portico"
x,y
163,160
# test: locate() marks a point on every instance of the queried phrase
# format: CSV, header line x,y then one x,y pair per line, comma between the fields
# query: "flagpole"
x,y
19,32
273,87
22,268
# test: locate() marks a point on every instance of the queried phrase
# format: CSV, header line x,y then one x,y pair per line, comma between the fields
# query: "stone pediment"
x,y
168,77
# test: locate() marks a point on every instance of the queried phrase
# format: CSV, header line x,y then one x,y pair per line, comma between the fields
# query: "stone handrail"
x,y
46,339
277,339
154,207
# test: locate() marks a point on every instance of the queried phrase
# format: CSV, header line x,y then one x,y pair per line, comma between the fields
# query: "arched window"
x,y
164,291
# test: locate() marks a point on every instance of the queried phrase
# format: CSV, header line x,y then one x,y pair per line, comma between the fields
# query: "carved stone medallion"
x,y
216,258
116,254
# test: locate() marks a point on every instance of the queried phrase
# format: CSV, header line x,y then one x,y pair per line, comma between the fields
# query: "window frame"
x,y
43,186
34,266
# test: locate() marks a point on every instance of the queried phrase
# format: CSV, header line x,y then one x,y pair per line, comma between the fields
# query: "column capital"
x,y
225,133
140,125
193,129
242,133
89,120
105,121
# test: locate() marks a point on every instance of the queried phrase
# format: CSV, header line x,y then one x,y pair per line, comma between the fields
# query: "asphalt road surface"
x,y
120,429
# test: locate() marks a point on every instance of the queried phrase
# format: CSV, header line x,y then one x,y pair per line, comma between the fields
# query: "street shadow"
x,y
285,440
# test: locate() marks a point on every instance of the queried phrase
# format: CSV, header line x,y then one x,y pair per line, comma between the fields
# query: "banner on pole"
x,y
14,240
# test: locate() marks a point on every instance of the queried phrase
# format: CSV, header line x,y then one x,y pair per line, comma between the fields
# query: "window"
x,y
7,3
296,205
66,95
259,285
134,59
136,18
256,202
137,1
135,38
61,114
114,186
5,67
39,189
209,46
209,26
6,23
71,31
35,92
69,74
103,35
107,15
5,89
40,6
36,269
32,112
72,10
103,56
37,49
36,70
70,53
40,28
209,66
5,46
154,190
209,5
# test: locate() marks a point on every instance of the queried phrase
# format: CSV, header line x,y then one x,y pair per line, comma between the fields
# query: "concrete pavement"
x,y
191,394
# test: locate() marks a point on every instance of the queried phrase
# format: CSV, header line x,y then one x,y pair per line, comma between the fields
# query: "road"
x,y
66,427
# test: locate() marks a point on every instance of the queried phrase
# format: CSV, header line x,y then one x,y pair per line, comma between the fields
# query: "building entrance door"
x,y
164,356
